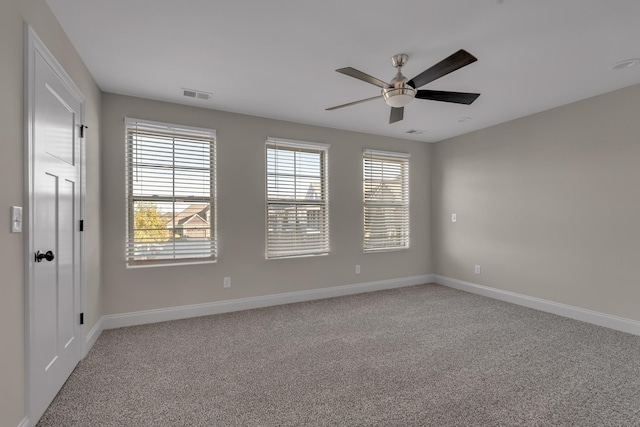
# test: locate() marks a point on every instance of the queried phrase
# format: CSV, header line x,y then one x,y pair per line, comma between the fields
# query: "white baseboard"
x,y
173,313
589,316
93,335
24,422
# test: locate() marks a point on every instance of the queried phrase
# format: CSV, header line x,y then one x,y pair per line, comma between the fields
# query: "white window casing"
x,y
171,193
385,200
297,194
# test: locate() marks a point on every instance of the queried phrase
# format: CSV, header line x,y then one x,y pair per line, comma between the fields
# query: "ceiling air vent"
x,y
415,131
190,93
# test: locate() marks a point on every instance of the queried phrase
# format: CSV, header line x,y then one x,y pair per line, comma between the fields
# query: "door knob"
x,y
48,256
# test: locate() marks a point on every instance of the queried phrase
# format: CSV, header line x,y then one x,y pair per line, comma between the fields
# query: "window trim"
x,y
301,145
371,153
186,130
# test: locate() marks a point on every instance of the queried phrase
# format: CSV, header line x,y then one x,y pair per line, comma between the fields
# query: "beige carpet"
x,y
418,356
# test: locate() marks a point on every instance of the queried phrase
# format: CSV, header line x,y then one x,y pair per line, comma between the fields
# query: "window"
x,y
297,199
386,200
171,209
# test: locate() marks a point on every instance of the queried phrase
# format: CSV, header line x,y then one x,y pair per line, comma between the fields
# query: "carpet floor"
x,y
423,355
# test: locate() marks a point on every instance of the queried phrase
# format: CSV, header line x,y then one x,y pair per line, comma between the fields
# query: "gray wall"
x,y
13,15
241,213
548,205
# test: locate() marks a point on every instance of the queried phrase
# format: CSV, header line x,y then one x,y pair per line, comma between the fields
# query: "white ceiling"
x,y
277,58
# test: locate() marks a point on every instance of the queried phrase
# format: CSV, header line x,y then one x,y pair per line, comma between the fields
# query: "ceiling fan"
x,y
401,91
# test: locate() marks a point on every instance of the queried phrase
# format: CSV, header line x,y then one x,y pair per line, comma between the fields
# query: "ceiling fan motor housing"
x,y
398,93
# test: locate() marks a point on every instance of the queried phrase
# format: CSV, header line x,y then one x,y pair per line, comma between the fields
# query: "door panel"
x,y
58,125
46,314
66,280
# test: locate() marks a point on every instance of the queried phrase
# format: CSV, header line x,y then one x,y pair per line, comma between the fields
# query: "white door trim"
x,y
33,46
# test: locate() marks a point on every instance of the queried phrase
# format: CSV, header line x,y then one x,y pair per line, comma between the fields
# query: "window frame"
x,y
170,130
323,203
403,159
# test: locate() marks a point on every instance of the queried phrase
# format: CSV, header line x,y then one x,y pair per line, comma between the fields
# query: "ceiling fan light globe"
x,y
398,97
398,101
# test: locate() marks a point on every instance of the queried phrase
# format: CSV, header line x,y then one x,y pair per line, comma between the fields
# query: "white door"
x,y
54,309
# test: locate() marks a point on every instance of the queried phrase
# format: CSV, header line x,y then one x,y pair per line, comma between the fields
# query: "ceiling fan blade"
x,y
352,72
455,97
353,103
396,114
454,62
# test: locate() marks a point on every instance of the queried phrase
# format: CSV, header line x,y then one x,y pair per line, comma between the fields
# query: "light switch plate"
x,y
16,219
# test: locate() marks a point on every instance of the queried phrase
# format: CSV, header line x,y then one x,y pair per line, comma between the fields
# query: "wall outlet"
x,y
477,269
357,269
454,217
227,282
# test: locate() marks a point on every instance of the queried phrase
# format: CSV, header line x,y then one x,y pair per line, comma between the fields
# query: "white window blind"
x,y
171,209
297,199
386,200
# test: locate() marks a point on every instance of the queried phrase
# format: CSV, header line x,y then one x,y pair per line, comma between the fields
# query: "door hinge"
x,y
82,225
82,318
82,128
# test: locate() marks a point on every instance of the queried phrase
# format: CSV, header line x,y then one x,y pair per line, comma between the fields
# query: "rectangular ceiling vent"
x,y
198,94
415,131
